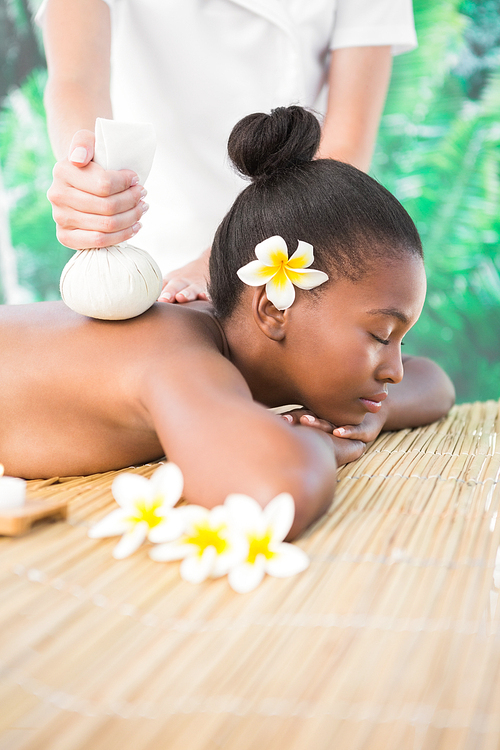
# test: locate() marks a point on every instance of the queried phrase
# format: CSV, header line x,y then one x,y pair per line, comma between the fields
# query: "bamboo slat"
x,y
390,640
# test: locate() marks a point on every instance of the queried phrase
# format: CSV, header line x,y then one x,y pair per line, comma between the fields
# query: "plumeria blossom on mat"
x,y
208,547
264,530
239,538
145,505
280,273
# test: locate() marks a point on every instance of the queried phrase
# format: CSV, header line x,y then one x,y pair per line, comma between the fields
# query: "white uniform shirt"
x,y
195,67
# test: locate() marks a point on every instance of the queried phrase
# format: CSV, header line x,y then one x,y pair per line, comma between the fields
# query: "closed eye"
x,y
385,342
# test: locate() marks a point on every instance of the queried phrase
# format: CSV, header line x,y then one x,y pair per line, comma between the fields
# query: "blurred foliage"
x,y
438,151
19,49
26,159
480,53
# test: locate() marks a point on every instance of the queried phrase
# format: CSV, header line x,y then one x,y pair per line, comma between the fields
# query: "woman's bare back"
x,y
71,387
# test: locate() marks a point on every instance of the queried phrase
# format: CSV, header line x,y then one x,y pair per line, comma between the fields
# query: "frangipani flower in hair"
x,y
145,505
280,273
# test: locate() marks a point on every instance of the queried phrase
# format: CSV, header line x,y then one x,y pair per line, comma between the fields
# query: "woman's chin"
x,y
344,418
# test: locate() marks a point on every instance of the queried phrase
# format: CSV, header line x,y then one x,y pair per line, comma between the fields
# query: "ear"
x,y
270,320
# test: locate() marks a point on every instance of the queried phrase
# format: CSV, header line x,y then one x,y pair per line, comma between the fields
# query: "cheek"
x,y
336,382
332,384
353,361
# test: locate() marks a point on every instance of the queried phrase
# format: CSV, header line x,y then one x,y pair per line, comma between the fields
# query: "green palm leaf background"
x,y
438,151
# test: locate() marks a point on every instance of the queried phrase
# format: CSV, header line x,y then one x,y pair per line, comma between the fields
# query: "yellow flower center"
x,y
259,545
144,510
204,536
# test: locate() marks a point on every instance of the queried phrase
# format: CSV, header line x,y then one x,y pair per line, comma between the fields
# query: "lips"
x,y
378,397
374,403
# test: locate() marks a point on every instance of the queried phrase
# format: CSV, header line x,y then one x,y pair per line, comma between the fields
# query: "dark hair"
x,y
348,217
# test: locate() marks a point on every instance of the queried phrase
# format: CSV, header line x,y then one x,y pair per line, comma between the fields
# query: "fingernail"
x,y
144,206
136,227
135,181
143,193
308,418
167,296
79,155
340,430
288,417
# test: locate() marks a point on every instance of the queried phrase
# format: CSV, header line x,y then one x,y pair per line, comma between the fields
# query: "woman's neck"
x,y
259,360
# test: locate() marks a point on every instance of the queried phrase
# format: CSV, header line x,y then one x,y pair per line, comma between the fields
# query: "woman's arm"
x,y
224,442
425,394
91,207
357,88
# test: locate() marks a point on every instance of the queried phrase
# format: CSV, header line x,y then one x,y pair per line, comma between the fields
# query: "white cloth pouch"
x,y
122,281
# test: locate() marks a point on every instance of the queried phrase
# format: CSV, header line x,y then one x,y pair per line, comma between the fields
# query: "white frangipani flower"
x,y
264,530
280,273
208,546
145,506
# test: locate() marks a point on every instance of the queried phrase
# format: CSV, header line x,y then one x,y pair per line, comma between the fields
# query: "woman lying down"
x,y
316,275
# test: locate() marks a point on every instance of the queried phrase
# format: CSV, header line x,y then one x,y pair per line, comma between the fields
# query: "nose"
x,y
390,369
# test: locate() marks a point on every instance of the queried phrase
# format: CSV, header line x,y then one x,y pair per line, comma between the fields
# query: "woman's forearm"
x,y
425,394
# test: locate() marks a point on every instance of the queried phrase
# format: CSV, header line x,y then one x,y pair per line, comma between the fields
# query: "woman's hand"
x,y
308,419
94,207
187,283
349,441
367,431
347,446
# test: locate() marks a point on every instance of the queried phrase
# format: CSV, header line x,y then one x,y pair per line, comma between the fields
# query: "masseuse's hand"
x,y
346,448
188,283
94,207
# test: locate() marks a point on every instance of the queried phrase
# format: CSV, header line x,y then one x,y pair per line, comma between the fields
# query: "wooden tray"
x,y
17,521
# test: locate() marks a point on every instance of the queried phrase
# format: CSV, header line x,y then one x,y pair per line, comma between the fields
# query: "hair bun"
x,y
261,146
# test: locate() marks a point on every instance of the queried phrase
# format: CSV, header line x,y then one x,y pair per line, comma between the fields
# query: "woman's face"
x,y
345,346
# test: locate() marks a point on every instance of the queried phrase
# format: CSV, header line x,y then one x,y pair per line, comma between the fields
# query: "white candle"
x,y
12,491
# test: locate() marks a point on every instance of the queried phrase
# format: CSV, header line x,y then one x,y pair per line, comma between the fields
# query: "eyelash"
x,y
385,342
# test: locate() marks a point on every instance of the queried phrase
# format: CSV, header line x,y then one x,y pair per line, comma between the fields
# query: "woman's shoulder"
x,y
172,344
192,324
189,355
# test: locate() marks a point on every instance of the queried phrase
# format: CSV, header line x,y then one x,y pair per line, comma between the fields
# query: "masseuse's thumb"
x,y
81,151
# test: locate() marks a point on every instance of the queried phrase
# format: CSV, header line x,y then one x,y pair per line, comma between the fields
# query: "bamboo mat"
x,y
389,641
